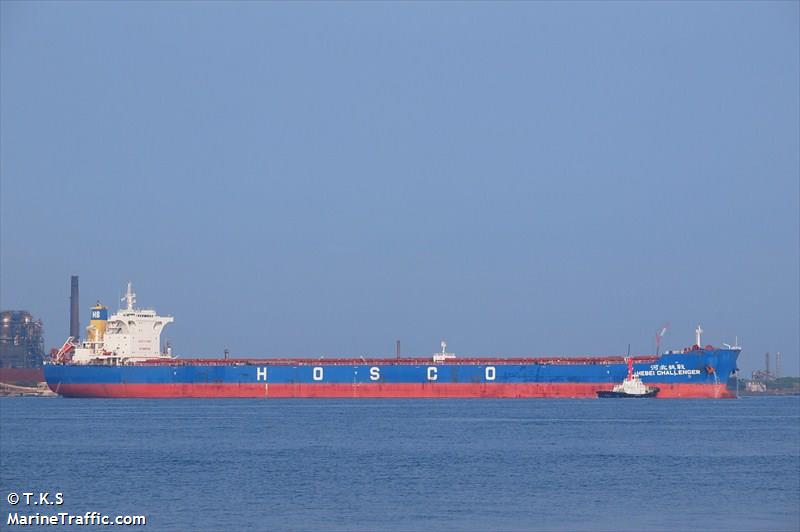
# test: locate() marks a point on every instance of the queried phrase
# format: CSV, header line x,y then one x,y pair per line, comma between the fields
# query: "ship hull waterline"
x,y
397,391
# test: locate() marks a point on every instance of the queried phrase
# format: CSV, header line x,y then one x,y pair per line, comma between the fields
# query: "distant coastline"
x,y
781,386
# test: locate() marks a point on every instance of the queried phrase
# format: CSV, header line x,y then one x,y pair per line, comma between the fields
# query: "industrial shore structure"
x,y
21,348
122,356
22,353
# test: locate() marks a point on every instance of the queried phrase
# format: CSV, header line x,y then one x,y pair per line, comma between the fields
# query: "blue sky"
x,y
326,178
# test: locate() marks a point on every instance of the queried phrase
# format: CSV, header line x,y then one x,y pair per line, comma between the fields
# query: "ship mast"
x,y
130,296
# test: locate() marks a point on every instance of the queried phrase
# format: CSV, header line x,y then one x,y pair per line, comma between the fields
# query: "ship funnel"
x,y
97,326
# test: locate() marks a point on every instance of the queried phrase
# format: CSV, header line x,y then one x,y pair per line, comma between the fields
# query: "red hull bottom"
x,y
399,390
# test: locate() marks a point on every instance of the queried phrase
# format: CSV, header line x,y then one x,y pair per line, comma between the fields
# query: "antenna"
x,y
697,333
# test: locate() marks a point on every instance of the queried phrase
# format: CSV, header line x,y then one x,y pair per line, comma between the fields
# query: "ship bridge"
x,y
130,335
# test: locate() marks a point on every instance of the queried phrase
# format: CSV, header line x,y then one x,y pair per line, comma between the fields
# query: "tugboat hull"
x,y
608,394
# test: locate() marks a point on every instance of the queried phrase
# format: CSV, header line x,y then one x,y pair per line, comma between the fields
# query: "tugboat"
x,y
632,386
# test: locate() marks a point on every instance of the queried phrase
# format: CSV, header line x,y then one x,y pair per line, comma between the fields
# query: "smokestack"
x,y
766,361
74,322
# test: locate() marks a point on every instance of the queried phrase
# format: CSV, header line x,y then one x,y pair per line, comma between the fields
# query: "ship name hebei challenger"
x,y
122,357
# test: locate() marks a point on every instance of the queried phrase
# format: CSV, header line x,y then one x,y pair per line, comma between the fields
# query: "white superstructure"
x,y
131,335
443,355
632,386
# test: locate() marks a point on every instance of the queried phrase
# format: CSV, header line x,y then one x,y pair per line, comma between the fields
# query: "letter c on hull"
x,y
432,373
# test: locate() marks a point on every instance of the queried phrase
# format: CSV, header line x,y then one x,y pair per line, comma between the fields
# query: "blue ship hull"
x,y
697,373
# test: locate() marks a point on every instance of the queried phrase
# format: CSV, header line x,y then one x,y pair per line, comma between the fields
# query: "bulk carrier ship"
x,y
122,357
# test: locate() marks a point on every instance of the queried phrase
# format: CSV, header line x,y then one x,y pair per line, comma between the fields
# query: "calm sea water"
x,y
411,464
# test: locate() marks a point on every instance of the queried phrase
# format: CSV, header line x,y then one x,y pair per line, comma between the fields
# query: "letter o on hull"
x,y
317,374
490,373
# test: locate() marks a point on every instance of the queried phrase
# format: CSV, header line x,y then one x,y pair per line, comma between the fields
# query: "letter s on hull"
x,y
374,373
